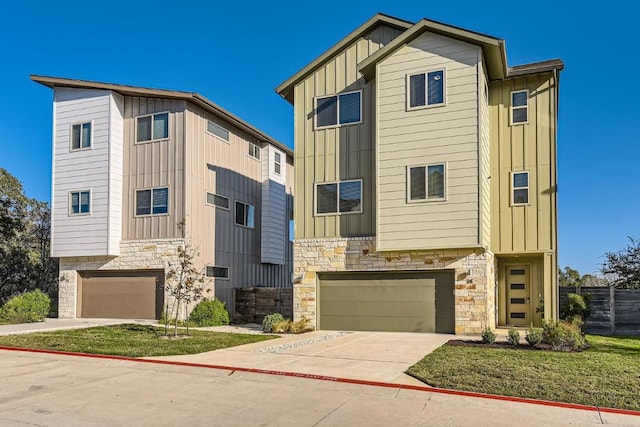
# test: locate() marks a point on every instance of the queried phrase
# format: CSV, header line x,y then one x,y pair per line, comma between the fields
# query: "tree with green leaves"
x,y
624,266
569,277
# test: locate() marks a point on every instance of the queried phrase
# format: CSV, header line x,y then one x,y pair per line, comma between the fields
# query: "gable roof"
x,y
192,97
285,89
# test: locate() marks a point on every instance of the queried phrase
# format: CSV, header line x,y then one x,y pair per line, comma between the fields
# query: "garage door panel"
x,y
381,301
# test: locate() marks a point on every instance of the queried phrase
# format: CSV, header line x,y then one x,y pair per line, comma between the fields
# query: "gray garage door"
x,y
121,294
387,301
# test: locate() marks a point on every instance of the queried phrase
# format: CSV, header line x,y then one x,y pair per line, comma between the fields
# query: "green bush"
x,y
209,312
533,336
563,335
488,336
577,306
28,307
270,321
513,337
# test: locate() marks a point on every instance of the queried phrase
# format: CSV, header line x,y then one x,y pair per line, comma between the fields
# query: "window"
x,y
426,89
277,166
426,182
219,272
217,130
339,197
219,201
336,110
519,107
81,136
80,202
254,151
152,127
154,201
245,214
520,185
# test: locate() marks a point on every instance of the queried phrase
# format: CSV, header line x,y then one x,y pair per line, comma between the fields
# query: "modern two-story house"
x,y
138,172
425,171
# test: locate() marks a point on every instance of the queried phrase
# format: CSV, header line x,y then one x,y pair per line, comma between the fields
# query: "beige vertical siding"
x,y
153,164
447,134
527,147
233,174
338,153
485,158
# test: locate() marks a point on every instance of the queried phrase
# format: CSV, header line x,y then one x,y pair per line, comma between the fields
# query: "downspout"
x,y
556,77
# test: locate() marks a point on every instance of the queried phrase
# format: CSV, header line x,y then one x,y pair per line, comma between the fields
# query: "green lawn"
x,y
129,340
607,374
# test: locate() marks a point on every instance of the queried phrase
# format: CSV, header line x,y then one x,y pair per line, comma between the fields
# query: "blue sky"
x,y
235,53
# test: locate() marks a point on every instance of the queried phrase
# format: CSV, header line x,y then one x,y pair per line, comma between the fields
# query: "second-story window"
x,y
520,187
426,89
254,151
519,107
426,183
152,127
336,110
339,197
217,130
154,201
80,202
245,214
81,136
277,164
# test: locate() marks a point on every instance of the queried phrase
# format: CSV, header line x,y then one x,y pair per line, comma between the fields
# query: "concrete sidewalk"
x,y
370,356
60,324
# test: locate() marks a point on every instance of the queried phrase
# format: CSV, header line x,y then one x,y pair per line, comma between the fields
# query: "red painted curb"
x,y
336,379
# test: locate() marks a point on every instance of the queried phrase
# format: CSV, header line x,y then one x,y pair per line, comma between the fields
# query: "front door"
x,y
518,295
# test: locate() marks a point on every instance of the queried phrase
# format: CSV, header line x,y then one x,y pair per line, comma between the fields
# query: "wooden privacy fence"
x,y
252,304
613,311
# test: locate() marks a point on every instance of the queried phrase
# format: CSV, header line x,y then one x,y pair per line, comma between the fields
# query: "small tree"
x,y
569,277
184,282
624,266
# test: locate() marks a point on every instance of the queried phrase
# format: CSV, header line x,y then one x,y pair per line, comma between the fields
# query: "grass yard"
x,y
607,374
129,340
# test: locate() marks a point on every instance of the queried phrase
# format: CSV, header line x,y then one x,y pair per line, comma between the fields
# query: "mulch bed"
x,y
504,344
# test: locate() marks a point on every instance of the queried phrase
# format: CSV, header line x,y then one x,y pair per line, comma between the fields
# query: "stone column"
x,y
67,294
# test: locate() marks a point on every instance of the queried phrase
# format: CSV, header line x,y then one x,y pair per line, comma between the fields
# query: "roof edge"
x,y
193,97
285,88
535,67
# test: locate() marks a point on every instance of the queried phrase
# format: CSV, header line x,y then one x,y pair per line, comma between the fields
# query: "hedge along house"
x,y
130,164
425,172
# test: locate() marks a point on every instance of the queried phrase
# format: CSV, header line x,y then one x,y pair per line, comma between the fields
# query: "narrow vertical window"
x,y
245,214
519,107
79,202
81,136
520,185
277,165
254,151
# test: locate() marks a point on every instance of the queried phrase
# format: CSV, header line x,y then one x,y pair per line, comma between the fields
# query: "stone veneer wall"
x,y
134,255
475,288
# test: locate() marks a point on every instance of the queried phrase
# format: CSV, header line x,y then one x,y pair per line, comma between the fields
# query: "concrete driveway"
x,y
371,356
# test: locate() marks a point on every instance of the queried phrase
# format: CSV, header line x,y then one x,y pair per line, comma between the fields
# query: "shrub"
x,y
28,307
301,326
209,312
563,335
282,326
488,336
513,337
533,336
270,321
577,306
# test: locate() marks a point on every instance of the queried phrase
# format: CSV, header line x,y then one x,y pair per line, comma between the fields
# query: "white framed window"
x,y
81,136
426,183
254,151
80,202
152,201
277,164
152,127
519,188
245,214
217,272
217,130
340,197
339,110
519,107
218,201
427,89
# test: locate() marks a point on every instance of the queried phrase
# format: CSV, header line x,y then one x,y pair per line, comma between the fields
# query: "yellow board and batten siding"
x,y
339,153
446,134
